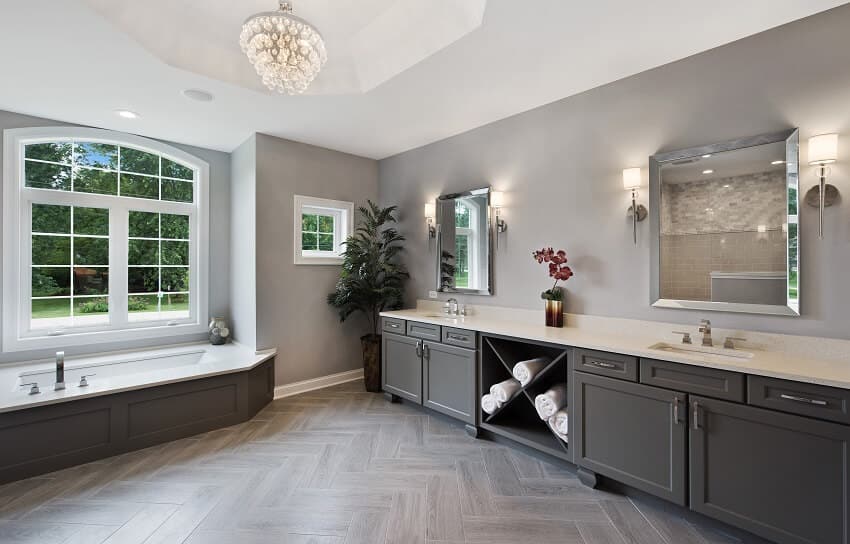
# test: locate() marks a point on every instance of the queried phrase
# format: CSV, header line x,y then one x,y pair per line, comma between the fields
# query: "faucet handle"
x,y
34,390
729,342
686,336
83,381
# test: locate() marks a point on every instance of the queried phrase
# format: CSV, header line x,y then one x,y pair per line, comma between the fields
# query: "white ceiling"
x,y
64,60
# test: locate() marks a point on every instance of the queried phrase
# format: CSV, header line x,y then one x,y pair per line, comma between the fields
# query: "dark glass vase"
x,y
555,313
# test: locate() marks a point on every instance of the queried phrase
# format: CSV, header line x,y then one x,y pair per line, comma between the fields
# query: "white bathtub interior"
x,y
110,369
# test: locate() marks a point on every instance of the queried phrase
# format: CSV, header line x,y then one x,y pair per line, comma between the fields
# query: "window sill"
x,y
71,339
333,261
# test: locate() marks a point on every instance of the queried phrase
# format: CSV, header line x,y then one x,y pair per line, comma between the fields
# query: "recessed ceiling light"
x,y
198,94
709,171
127,114
777,162
706,156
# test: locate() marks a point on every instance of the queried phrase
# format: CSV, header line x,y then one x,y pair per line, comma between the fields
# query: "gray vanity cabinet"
x,y
633,433
402,366
449,380
781,476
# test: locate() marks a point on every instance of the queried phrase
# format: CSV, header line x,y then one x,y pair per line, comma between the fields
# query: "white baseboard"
x,y
296,388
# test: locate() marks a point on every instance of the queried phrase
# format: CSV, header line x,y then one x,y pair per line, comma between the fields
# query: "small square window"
x,y
321,227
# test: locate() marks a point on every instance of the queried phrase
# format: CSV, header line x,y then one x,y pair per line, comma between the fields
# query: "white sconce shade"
x,y
631,178
823,149
430,210
497,199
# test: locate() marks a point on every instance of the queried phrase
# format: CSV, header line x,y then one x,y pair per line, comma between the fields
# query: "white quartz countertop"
x,y
215,361
634,340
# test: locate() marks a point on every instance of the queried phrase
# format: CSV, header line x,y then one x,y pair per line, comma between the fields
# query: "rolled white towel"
x,y
489,403
525,371
552,425
551,401
561,422
503,391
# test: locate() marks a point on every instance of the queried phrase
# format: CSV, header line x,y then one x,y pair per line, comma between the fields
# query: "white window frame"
x,y
17,201
343,213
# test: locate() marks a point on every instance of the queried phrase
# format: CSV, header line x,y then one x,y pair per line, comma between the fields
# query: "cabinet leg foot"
x,y
588,477
392,398
471,430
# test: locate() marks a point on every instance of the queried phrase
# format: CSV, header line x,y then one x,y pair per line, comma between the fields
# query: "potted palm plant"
x,y
371,281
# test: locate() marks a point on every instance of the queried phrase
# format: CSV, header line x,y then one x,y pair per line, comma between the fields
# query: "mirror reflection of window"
x,y
466,245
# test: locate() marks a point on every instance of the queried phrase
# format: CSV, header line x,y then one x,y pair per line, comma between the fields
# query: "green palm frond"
x,y
372,278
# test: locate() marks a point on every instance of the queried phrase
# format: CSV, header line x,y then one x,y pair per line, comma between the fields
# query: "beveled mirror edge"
x,y
655,163
485,190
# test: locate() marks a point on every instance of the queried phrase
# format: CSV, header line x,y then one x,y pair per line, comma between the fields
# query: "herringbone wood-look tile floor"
x,y
332,466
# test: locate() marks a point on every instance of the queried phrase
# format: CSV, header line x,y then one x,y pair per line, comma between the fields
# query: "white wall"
x,y
242,235
219,278
561,165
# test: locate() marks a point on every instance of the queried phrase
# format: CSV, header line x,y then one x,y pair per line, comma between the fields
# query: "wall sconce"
x,y
631,182
497,200
823,150
430,212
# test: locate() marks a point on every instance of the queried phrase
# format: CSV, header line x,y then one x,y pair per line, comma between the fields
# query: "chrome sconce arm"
x,y
638,212
497,200
823,150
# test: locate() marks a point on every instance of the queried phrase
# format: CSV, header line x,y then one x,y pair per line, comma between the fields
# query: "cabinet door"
x,y
402,366
632,433
780,476
450,380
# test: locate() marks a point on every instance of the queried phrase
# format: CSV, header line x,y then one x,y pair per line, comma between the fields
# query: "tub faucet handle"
x,y
83,381
34,390
686,336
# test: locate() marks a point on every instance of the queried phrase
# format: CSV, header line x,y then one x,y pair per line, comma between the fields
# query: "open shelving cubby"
x,y
517,418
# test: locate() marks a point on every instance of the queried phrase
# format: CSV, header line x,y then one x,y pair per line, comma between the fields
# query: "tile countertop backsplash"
x,y
823,361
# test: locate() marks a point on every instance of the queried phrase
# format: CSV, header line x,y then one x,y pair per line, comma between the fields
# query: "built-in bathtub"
x,y
132,400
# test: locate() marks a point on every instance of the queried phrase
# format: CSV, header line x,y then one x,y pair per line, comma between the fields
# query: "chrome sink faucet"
x,y
452,306
705,329
60,371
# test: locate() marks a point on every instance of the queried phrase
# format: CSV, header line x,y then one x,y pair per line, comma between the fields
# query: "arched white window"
x,y
105,238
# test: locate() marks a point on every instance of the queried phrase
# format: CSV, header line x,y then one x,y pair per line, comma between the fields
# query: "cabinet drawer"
x,y
459,337
613,365
392,324
709,382
805,399
424,330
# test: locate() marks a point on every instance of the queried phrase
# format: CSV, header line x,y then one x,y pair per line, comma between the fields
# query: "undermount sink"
x,y
452,318
705,350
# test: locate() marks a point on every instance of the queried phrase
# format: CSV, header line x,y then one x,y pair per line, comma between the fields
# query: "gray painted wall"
x,y
561,168
219,279
243,228
292,314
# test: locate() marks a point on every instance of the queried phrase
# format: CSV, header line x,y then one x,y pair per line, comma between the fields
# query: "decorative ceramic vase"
x,y
219,331
554,313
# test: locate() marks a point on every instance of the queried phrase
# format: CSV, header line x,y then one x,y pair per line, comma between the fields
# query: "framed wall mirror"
x,y
464,243
724,226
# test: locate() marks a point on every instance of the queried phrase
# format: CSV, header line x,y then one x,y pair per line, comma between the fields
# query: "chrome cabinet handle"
x,y
600,364
426,351
419,348
696,415
676,410
816,402
458,337
393,325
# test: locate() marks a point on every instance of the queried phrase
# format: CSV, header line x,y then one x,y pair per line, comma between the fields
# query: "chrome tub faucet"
x,y
60,371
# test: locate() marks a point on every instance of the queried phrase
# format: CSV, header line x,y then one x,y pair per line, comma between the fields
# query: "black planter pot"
x,y
372,362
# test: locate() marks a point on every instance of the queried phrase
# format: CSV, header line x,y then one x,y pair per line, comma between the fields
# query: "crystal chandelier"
x,y
286,51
